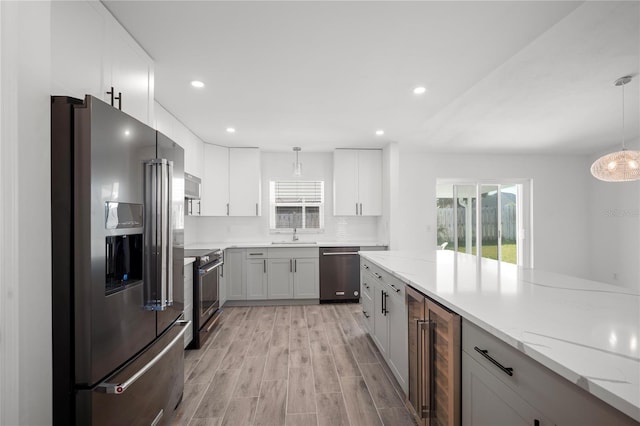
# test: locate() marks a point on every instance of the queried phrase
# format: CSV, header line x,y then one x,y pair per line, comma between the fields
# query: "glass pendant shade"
x,y
621,166
297,166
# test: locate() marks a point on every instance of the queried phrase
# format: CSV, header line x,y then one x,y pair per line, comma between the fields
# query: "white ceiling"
x,y
528,77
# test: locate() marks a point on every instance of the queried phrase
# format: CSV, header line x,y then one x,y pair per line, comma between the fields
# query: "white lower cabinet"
x,y
256,273
385,312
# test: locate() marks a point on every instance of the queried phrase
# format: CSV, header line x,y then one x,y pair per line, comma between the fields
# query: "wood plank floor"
x,y
290,365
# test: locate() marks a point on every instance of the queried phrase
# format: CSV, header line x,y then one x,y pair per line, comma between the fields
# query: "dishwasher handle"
x,y
340,253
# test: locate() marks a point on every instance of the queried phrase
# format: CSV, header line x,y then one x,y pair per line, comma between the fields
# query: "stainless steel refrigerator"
x,y
117,212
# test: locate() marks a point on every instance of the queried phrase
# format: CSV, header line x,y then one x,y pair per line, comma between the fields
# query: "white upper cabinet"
x,y
244,182
78,43
130,72
215,181
91,52
231,181
193,147
357,182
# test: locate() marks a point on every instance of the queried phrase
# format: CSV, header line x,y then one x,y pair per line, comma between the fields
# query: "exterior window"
x,y
296,204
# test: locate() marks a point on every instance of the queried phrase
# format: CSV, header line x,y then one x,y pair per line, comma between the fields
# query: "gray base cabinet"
x,y
234,271
272,273
531,395
256,274
188,302
280,277
385,312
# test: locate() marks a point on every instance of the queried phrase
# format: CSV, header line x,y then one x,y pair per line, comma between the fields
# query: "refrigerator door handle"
x,y
119,388
158,268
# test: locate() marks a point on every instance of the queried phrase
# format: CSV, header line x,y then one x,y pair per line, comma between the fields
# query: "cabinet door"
x,y
370,182
244,182
380,320
306,279
78,45
488,401
256,278
398,344
234,274
215,181
131,74
367,311
345,182
280,278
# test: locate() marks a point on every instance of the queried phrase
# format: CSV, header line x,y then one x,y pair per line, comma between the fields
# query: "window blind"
x,y
298,192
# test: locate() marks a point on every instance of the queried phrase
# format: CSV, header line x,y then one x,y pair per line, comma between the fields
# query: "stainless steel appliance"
x,y
206,292
339,274
192,191
118,247
434,361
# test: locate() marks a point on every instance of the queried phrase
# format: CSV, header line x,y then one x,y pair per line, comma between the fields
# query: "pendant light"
x,y
297,166
621,166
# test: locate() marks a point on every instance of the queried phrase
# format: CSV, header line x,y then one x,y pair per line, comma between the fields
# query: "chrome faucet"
x,y
295,235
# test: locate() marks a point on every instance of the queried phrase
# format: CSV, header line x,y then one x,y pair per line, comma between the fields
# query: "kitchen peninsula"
x,y
584,331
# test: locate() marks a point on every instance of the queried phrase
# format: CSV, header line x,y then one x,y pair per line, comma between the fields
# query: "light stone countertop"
x,y
188,260
269,244
585,331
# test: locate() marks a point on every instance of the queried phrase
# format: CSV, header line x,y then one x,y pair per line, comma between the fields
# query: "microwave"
x,y
192,187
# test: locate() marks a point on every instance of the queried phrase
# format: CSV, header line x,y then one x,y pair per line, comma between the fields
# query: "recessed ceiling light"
x,y
231,130
419,90
379,132
197,83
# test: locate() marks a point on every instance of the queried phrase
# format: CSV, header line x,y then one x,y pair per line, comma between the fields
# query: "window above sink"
x,y
296,205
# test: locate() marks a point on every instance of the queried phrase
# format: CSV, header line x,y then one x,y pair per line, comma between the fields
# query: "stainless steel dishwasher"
x,y
339,274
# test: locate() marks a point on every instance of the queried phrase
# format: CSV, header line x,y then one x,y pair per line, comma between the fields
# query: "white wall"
x,y
614,227
560,200
25,286
274,166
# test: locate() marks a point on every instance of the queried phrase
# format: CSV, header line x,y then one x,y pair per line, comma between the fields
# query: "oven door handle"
x,y
211,268
119,388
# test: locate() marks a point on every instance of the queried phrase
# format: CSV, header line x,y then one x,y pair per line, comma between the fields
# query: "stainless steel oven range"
x,y
206,292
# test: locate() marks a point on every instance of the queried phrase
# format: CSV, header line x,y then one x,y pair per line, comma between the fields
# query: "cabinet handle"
x,y
365,314
356,209
119,98
256,209
222,270
425,393
485,353
536,422
199,208
295,265
365,266
264,262
397,290
256,254
378,276
290,265
111,92
227,209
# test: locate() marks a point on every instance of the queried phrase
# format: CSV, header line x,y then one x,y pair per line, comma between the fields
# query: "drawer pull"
x,y
378,276
365,266
485,353
397,290
365,314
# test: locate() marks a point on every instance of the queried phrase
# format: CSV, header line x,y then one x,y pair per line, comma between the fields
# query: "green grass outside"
x,y
509,254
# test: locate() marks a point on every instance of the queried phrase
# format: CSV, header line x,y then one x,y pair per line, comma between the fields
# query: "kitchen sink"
x,y
294,242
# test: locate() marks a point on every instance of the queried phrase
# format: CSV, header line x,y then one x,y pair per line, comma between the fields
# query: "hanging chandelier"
x,y
620,166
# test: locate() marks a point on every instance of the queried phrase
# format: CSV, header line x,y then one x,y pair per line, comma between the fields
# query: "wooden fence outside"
x,y
489,223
